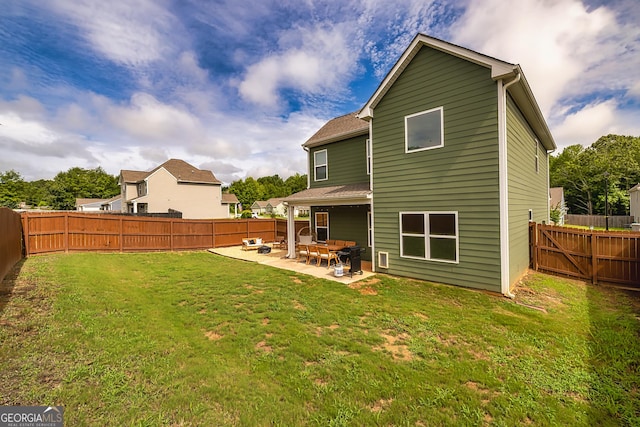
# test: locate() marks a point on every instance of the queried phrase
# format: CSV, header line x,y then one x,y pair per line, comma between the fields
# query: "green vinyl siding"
x,y
460,177
346,162
528,189
347,223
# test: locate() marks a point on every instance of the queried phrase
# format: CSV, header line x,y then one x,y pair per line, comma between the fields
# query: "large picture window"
x,y
322,226
429,235
424,130
320,165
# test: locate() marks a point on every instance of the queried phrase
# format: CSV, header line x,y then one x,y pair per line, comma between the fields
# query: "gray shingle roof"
x,y
336,193
339,128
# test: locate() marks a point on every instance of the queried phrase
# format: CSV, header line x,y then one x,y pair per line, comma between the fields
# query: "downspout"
x,y
504,185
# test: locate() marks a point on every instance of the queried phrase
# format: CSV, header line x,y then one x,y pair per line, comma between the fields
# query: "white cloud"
x,y
314,60
147,119
126,32
555,42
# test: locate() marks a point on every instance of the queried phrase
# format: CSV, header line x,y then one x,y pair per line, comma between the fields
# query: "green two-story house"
x,y
441,171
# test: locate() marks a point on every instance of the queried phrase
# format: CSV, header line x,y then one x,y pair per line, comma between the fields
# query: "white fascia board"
x,y
499,69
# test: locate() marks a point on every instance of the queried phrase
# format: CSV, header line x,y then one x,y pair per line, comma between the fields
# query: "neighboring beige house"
x,y
556,201
634,203
175,185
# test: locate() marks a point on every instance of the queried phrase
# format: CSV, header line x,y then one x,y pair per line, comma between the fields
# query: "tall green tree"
x,y
82,183
12,189
296,183
612,163
247,191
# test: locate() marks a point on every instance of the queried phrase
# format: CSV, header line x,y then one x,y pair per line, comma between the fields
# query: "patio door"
x,y
322,226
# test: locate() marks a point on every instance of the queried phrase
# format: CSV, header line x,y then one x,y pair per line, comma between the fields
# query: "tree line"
x,y
610,166
61,192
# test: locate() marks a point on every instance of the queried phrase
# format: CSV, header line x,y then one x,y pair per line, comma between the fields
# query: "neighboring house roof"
x,y
181,170
261,204
556,196
82,202
275,201
331,195
229,198
520,90
337,129
129,176
635,188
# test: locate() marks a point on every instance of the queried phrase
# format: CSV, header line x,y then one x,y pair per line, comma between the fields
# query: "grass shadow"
x,y
8,284
614,347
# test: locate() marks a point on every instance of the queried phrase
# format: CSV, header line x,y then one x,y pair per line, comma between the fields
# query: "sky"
x,y
237,86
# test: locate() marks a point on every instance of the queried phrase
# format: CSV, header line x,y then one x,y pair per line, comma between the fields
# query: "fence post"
x,y
25,233
594,257
121,234
66,232
534,238
171,234
213,233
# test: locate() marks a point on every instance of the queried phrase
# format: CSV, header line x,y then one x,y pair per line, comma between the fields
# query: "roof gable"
x,y
500,70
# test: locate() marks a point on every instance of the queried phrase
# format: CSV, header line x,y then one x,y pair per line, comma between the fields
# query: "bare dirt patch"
x,y
295,280
203,311
365,286
298,306
262,345
381,405
395,345
265,321
213,336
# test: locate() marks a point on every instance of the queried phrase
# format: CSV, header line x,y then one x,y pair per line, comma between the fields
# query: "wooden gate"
x,y
594,256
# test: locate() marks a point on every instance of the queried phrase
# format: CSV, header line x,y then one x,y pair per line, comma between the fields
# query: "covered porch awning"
x,y
338,195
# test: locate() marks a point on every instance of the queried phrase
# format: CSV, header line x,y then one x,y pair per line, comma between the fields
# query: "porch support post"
x,y
291,231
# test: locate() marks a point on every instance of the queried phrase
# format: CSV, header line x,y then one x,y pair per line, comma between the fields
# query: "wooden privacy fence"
x,y
615,221
594,256
10,241
83,232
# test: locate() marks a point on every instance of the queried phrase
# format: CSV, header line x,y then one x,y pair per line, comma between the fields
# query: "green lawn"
x,y
195,339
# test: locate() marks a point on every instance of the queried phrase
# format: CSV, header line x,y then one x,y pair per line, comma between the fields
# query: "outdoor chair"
x,y
303,251
325,254
313,253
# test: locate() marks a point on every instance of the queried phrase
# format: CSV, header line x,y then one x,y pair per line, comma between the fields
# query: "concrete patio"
x,y
277,258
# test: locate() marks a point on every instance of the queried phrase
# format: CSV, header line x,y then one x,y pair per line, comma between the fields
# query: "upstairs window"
x,y
142,188
320,165
424,130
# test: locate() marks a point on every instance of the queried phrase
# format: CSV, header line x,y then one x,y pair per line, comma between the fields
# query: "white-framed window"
x,y
369,228
424,130
429,235
530,214
368,157
322,226
320,166
535,152
142,188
